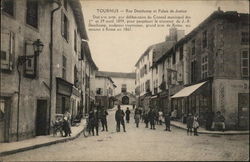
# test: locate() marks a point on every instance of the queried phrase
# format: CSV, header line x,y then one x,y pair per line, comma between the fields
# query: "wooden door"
x,y
41,118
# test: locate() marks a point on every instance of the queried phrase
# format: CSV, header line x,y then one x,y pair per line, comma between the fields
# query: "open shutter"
x,y
62,23
7,50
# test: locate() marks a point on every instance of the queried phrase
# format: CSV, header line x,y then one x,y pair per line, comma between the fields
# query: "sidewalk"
x,y
39,141
204,131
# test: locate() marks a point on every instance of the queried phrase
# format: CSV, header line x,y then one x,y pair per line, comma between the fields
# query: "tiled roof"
x,y
145,53
161,48
116,74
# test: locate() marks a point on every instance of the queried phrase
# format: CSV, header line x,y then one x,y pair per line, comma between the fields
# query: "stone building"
x,y
149,77
35,88
125,90
105,90
215,70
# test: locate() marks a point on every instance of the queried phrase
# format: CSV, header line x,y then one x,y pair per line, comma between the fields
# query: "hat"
x,y
189,114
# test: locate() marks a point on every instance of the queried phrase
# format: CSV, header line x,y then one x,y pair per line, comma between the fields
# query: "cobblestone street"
x,y
142,144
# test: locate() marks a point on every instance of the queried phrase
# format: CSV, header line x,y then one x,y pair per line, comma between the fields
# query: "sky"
x,y
118,51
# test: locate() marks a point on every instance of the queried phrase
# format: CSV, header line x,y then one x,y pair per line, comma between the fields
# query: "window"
x,y
193,47
204,67
7,50
204,39
181,52
65,4
174,58
245,63
193,71
32,13
76,77
145,69
8,7
75,40
64,66
244,38
124,88
99,91
156,70
65,27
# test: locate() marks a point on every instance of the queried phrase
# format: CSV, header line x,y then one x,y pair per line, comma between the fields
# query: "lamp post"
x,y
38,47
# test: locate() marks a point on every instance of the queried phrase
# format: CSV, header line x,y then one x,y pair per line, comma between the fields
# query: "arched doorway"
x,y
125,100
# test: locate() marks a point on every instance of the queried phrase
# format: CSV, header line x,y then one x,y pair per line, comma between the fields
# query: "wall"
x,y
129,82
225,98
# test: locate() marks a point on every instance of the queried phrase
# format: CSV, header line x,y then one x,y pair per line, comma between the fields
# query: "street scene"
x,y
139,144
124,80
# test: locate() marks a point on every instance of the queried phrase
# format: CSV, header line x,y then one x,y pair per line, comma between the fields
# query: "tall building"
x,y
43,65
208,71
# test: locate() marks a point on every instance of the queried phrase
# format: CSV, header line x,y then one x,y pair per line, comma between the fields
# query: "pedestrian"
x,y
104,115
119,117
145,117
67,123
93,121
127,112
137,117
157,118
167,121
219,120
195,124
160,118
151,117
190,121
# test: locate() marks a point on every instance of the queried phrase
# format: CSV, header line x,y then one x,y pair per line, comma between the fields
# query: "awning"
x,y
154,96
187,91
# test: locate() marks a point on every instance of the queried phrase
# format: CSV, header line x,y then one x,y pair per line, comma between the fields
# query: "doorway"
x,y
4,118
125,100
243,111
41,118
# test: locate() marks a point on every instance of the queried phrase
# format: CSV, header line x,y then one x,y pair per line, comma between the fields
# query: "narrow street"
x,y
142,144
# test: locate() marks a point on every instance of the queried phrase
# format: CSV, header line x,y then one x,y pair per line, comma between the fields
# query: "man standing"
x,y
190,121
93,119
151,117
104,114
119,117
127,112
137,117
167,121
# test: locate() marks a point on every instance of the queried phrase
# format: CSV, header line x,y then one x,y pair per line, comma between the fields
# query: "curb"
x,y
239,133
5,153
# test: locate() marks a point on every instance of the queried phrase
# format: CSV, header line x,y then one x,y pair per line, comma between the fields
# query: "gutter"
x,y
51,58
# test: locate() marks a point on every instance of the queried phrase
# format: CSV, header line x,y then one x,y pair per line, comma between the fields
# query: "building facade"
x,y
35,87
149,76
105,90
210,70
125,86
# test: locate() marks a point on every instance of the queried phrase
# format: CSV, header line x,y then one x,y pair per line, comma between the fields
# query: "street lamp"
x,y
38,48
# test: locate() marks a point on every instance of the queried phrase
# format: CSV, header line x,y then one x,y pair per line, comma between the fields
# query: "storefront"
x,y
195,99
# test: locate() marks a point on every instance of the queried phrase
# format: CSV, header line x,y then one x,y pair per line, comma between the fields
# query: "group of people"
x,y
97,115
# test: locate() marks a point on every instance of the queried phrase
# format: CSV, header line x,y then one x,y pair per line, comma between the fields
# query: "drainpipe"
x,y
51,57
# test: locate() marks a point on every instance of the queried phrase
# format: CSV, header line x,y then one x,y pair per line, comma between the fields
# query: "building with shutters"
x,y
36,88
105,90
208,70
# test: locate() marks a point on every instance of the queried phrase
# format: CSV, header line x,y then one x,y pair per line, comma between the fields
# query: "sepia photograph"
x,y
124,80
